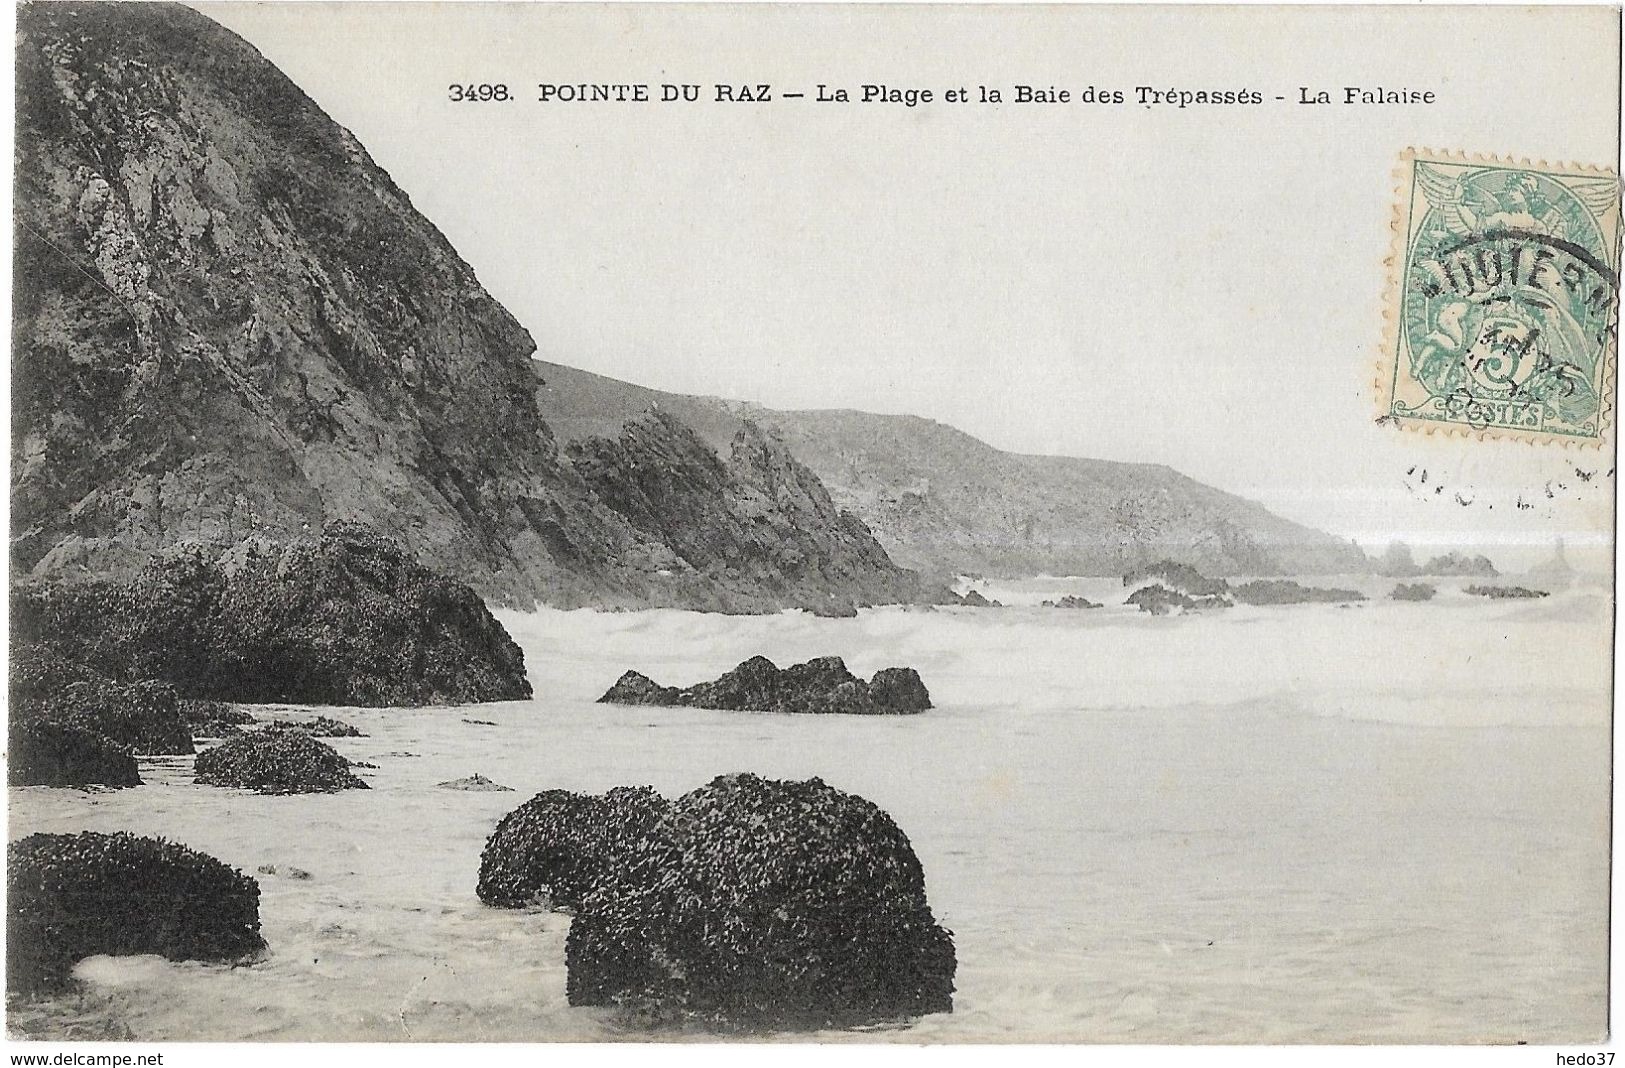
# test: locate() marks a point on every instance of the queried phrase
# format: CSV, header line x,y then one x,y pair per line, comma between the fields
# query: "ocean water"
x,y
1378,823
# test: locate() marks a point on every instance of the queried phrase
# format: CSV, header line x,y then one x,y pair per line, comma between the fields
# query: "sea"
x,y
1382,822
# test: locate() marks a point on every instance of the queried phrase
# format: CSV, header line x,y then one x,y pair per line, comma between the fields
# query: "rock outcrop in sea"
x,y
1286,591
1072,601
71,896
1505,593
761,904
823,685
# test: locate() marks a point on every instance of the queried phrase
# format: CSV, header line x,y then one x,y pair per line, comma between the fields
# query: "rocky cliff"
x,y
229,322
756,525
944,503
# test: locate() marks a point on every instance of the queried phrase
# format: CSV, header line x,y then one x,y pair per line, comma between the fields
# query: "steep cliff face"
x,y
758,525
228,321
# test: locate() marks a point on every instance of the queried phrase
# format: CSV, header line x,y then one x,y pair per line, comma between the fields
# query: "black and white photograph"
x,y
860,524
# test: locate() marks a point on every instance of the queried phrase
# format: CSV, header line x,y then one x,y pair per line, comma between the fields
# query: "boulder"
x,y
556,847
71,896
822,685
900,689
276,762
633,688
973,599
142,716
346,618
754,904
49,753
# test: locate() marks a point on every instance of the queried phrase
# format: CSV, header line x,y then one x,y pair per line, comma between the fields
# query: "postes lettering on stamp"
x,y
1504,299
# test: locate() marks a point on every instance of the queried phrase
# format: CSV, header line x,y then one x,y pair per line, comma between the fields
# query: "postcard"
x,y
800,523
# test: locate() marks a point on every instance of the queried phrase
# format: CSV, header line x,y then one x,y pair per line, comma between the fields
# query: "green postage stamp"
x,y
1503,299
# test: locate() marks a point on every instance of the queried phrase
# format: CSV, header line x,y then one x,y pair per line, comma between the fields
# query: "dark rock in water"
x,y
479,722
71,896
475,783
633,688
363,764
1398,562
761,904
1072,601
345,618
142,716
1501,593
974,599
1285,591
899,689
823,685
1159,600
1179,577
318,727
1416,591
559,845
48,753
276,762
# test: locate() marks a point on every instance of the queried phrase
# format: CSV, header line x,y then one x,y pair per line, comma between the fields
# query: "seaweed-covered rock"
x,y
345,618
318,727
974,599
764,904
558,846
1413,591
1285,591
635,688
1072,601
143,716
277,762
195,711
899,689
1502,593
822,685
71,896
48,753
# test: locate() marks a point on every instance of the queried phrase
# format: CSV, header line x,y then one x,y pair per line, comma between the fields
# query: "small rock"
x,y
476,783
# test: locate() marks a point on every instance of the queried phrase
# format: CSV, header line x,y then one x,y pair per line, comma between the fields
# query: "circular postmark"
x,y
1509,298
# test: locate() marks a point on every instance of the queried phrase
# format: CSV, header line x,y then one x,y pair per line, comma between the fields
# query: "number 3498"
x,y
481,92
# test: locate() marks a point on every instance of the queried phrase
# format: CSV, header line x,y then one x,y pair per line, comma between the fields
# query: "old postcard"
x,y
812,523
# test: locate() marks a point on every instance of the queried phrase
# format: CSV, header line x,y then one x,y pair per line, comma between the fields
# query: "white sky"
x,y
1198,287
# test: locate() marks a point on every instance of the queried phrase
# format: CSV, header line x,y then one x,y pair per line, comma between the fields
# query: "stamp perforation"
x,y
1392,361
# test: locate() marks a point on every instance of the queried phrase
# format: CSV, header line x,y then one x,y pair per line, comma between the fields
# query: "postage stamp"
x,y
1503,299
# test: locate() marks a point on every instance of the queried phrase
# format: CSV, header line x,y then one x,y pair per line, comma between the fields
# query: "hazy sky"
x,y
1199,287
